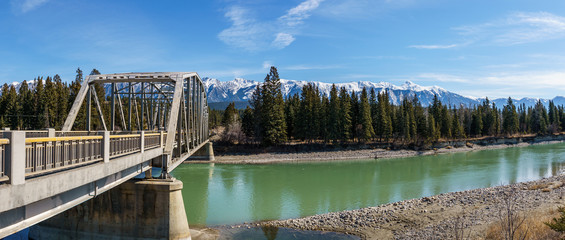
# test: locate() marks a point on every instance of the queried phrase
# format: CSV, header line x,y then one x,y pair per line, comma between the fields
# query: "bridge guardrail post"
x,y
51,132
16,157
106,146
161,138
142,141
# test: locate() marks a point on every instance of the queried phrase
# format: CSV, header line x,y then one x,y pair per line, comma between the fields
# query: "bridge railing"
x,y
44,155
124,144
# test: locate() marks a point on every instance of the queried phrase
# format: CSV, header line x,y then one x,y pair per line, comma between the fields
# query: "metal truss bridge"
x,y
155,120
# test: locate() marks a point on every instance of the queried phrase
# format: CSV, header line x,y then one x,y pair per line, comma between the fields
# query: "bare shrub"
x,y
535,225
233,133
511,221
459,229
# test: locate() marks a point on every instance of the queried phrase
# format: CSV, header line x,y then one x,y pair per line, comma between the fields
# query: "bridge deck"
x,y
49,172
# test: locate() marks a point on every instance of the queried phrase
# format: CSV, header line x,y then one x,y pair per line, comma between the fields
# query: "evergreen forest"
x,y
369,116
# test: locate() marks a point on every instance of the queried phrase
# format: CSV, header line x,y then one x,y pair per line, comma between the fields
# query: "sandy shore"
x,y
269,158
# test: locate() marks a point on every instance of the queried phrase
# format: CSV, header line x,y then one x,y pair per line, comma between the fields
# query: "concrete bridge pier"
x,y
205,153
136,209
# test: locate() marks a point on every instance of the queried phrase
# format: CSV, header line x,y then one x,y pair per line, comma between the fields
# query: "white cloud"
x,y
296,15
267,64
245,32
518,28
311,67
253,35
441,78
25,6
515,28
517,84
434,46
282,40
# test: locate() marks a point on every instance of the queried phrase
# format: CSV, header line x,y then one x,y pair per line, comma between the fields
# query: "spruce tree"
x,y
344,115
510,124
365,120
274,125
333,115
247,122
231,115
256,102
27,105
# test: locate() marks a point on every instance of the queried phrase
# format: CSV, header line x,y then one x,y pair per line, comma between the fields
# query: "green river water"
x,y
217,194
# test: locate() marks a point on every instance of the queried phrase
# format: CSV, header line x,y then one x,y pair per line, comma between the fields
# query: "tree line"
x,y
369,116
48,103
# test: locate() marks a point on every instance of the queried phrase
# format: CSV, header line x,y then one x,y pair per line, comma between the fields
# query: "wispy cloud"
x,y
296,15
282,40
436,77
500,84
251,34
434,46
311,67
25,6
245,32
518,28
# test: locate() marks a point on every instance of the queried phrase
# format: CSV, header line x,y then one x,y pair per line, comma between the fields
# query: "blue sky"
x,y
476,48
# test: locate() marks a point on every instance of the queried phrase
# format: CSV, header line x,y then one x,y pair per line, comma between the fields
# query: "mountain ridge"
x,y
240,89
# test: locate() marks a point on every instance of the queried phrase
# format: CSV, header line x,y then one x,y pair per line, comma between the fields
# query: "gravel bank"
x,y
268,158
434,217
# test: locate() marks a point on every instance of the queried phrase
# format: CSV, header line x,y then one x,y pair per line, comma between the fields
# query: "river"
x,y
218,194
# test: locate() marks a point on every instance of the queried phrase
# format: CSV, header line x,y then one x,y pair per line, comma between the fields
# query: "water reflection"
x,y
227,194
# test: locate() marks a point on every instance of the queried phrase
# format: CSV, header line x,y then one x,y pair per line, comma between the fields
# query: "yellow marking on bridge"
x,y
58,139
125,136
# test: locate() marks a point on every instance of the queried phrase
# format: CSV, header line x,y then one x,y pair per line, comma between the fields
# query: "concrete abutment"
x,y
136,209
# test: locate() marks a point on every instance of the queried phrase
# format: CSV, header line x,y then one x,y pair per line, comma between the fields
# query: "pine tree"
x,y
458,131
374,110
61,111
476,123
230,115
355,127
510,124
274,125
27,105
434,132
292,106
40,105
333,115
247,122
344,115
365,119
13,109
256,102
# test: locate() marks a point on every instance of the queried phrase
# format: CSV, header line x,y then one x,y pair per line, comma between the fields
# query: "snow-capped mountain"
x,y
241,90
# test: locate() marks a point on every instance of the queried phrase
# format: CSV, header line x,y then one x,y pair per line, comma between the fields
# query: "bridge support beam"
x,y
136,209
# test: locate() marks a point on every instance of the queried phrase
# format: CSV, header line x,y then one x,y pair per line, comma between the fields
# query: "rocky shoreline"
x,y
435,217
